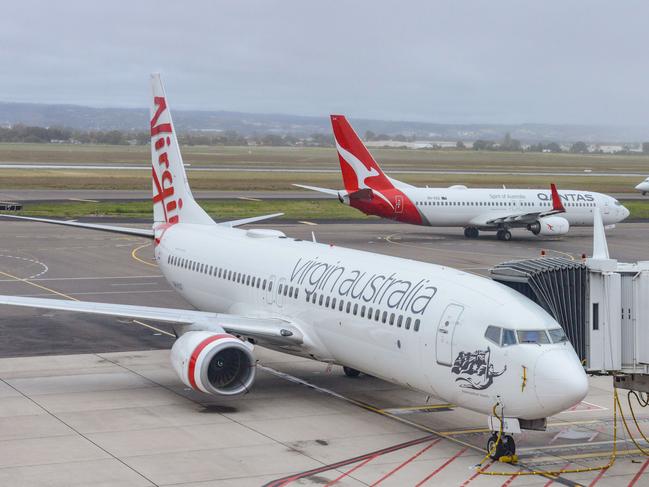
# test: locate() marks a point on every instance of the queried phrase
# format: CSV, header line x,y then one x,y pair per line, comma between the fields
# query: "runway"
x,y
310,169
59,195
92,400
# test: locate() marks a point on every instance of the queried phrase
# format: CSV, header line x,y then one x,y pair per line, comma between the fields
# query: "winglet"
x,y
557,205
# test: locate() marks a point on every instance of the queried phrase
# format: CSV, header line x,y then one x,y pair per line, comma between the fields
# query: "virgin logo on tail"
x,y
164,185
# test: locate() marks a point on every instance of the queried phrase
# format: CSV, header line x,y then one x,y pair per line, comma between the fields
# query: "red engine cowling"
x,y
550,225
215,363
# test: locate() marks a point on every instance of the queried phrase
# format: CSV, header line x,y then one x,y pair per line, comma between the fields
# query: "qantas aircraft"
x,y
370,190
643,186
457,336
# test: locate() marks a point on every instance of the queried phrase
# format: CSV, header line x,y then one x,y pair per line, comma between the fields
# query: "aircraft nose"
x,y
625,212
560,381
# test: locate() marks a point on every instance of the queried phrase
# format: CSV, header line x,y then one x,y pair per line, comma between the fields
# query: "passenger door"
x,y
445,330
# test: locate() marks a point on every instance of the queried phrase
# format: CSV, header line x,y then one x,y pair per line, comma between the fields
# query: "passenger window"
x,y
333,303
327,302
296,293
348,307
248,281
340,306
493,334
355,309
270,285
417,323
399,321
263,285
363,311
314,296
385,317
377,313
408,320
369,313
320,301
391,319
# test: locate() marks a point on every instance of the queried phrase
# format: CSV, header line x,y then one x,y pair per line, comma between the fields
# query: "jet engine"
x,y
549,225
216,363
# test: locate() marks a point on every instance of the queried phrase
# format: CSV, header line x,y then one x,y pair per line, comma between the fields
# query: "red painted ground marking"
x,y
350,461
442,467
348,472
599,476
585,406
509,480
475,475
551,481
640,472
399,467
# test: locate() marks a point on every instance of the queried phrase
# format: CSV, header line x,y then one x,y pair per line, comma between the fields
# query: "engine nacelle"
x,y
216,363
550,225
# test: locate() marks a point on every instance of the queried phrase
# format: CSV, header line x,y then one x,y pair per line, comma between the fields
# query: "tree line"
x,y
29,134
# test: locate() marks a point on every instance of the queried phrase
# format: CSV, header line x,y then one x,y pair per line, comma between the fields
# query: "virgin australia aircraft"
x,y
460,337
370,190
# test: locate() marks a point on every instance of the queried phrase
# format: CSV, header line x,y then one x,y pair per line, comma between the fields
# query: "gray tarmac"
x,y
57,195
94,401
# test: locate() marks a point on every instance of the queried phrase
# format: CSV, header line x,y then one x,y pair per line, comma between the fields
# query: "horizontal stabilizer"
x,y
140,232
252,219
332,192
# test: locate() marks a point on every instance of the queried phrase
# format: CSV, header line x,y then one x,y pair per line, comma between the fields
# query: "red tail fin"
x,y
358,167
557,204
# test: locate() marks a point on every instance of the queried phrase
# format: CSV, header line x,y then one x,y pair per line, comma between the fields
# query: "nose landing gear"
x,y
503,450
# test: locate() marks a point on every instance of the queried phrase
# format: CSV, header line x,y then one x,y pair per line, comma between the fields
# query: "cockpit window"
x,y
617,203
533,336
493,334
508,338
500,336
558,335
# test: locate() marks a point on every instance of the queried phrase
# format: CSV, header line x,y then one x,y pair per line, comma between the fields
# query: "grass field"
x,y
232,209
238,158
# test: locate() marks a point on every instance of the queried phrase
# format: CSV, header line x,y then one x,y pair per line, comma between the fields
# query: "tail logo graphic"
x,y
164,185
361,171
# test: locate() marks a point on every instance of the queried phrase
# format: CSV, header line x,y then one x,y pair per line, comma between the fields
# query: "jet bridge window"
x,y
533,336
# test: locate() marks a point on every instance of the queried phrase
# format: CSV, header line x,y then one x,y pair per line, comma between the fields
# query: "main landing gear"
x,y
504,235
349,372
503,450
471,232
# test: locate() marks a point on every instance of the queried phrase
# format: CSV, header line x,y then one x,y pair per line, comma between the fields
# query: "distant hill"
x,y
126,119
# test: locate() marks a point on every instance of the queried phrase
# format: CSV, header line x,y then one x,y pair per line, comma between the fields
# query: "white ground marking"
x,y
33,261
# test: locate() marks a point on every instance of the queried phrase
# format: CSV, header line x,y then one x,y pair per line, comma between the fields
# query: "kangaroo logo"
x,y
474,370
361,171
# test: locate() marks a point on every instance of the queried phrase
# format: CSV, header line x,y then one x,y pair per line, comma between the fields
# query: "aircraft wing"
x,y
267,329
522,218
139,232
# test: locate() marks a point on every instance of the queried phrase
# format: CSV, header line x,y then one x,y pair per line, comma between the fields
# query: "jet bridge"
x,y
602,304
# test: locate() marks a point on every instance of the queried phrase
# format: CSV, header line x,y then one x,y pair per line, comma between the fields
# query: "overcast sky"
x,y
551,61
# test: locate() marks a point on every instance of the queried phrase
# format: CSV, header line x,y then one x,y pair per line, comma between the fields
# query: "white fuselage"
x,y
425,319
643,186
461,206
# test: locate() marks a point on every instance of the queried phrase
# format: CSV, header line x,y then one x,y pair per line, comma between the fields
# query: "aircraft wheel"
x,y
506,447
471,232
467,232
505,235
349,372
